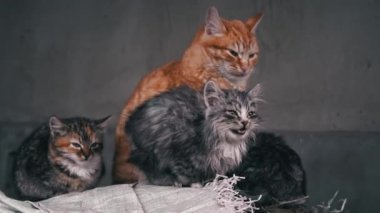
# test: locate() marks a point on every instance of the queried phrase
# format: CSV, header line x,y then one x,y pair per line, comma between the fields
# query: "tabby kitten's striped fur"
x,y
61,156
224,51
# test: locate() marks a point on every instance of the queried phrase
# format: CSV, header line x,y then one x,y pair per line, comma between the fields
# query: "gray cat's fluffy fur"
x,y
183,137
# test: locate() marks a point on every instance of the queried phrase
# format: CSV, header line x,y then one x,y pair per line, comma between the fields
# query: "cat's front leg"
x,y
196,185
183,180
177,184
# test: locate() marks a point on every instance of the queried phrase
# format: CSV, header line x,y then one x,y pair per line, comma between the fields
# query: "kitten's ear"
x,y
214,25
256,92
212,93
56,126
253,22
102,123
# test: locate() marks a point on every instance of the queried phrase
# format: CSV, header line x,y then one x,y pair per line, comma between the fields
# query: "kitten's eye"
x,y
232,113
252,55
252,114
96,146
233,53
75,145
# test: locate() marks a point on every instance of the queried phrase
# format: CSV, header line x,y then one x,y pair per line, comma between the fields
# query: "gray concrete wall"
x,y
319,66
318,58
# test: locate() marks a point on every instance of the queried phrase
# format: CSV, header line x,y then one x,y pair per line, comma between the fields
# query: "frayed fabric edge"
x,y
227,196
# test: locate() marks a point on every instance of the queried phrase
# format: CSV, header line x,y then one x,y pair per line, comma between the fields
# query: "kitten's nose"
x,y
244,123
85,153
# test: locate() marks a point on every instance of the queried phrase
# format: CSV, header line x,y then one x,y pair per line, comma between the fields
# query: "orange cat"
x,y
225,51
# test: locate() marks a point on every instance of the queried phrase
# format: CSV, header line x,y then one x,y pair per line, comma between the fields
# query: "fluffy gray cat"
x,y
182,137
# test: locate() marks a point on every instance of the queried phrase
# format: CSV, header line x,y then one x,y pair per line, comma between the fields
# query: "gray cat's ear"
x,y
102,123
214,25
253,22
212,93
56,126
256,92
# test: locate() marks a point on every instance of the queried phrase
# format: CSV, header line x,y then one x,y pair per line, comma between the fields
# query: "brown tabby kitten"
x,y
61,156
224,51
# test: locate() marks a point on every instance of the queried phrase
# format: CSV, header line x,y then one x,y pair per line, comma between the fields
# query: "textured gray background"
x,y
319,66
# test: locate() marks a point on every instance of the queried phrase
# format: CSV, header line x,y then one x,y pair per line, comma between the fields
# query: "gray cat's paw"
x,y
176,184
196,185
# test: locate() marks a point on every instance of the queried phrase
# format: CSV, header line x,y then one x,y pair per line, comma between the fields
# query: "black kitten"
x,y
271,168
182,137
60,157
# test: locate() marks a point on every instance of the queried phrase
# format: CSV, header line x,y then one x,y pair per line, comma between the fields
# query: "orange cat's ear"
x,y
253,22
214,25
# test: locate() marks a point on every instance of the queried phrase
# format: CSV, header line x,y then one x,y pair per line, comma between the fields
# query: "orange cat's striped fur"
x,y
225,51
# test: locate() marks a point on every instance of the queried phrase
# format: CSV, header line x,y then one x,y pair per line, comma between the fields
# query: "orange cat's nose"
x,y
245,67
244,70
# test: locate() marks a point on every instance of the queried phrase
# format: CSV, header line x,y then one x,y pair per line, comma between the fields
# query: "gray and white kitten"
x,y
183,137
61,156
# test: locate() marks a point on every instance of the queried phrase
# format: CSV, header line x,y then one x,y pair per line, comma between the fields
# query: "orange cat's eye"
x,y
233,53
252,55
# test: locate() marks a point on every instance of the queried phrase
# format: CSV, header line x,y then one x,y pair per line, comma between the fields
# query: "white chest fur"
x,y
83,169
226,156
